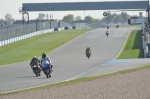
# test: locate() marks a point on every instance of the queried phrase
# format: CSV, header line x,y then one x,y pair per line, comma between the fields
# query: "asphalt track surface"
x,y
70,62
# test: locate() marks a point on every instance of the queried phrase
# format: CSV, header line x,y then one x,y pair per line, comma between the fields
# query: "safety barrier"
x,y
68,27
27,36
144,42
58,29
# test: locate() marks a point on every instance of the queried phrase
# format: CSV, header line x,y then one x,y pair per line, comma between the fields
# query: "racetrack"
x,y
70,62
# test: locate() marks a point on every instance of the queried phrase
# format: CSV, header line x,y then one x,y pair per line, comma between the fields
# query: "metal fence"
x,y
8,32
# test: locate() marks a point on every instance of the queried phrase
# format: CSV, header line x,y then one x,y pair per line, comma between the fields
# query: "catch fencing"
x,y
12,31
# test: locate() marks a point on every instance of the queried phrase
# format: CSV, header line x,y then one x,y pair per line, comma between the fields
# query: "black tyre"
x,y
47,75
36,72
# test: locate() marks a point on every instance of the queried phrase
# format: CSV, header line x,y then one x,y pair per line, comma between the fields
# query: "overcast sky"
x,y
12,7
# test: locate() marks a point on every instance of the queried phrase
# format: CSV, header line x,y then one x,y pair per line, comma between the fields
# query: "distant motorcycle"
x,y
36,70
117,26
107,33
88,54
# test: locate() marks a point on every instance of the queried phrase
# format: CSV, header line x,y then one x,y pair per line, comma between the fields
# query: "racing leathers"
x,y
34,61
44,61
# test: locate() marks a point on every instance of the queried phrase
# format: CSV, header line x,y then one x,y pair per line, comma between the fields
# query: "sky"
x,y
12,7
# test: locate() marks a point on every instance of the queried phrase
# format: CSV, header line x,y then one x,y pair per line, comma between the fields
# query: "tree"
x,y
88,19
68,18
125,16
118,18
109,17
9,19
96,20
1,21
78,18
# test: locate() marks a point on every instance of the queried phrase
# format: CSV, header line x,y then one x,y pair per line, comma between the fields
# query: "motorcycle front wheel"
x,y
47,73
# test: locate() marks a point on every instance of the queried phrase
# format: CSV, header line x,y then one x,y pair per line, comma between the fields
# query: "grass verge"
x,y
77,80
25,49
133,46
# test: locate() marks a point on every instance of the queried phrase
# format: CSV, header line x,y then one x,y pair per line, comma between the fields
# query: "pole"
x,y
50,23
84,19
148,13
84,14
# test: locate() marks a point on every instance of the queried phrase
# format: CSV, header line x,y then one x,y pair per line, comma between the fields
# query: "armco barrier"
x,y
146,51
68,28
27,36
24,36
73,27
58,29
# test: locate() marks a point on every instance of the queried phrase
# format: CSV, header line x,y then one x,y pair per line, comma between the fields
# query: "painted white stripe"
x,y
100,65
124,43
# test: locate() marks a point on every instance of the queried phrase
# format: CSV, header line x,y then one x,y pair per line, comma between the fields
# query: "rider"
x,y
34,61
87,49
43,60
107,27
107,32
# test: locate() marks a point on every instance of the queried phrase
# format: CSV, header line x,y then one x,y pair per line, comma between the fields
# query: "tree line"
x,y
111,17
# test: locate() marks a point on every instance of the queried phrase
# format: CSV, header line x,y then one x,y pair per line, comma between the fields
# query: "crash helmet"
x,y
34,57
43,55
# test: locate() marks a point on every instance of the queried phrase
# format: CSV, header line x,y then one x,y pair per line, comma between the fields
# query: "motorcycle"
x,y
107,34
117,26
47,70
88,54
36,70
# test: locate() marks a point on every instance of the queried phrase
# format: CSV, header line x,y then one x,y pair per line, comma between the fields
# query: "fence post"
x,y
50,24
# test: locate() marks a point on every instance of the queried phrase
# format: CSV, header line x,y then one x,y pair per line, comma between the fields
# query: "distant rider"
x,y
87,49
107,33
107,27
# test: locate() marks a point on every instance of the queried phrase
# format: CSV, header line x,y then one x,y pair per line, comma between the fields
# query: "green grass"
x,y
133,46
25,49
77,80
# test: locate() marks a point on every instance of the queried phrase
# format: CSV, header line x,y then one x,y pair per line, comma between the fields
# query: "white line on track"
x,y
100,65
124,43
